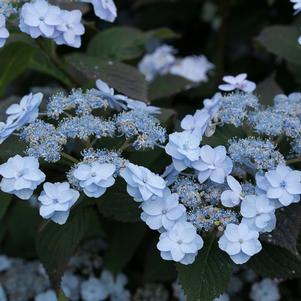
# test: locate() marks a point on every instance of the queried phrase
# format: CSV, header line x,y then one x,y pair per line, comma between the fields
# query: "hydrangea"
x,y
4,34
265,290
157,63
222,297
258,213
115,286
95,178
181,243
93,290
70,28
282,185
238,82
163,213
184,149
240,242
297,8
6,130
142,184
213,163
21,176
70,285
39,18
104,9
2,294
47,296
193,68
231,198
5,263
56,200
138,105
212,105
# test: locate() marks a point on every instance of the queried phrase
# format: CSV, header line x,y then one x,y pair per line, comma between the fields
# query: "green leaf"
x,y
124,78
14,59
61,296
56,243
117,204
167,85
275,262
10,147
125,239
208,276
282,41
5,201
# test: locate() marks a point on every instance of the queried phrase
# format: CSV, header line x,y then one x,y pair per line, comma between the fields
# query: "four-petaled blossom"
x,y
181,243
93,290
138,105
21,176
240,242
70,29
297,5
163,213
184,149
238,82
39,18
4,34
232,198
282,185
142,183
258,213
104,9
213,163
26,111
193,68
265,290
56,200
95,178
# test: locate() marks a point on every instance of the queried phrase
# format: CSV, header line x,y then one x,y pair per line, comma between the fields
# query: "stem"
x,y
124,146
292,161
69,157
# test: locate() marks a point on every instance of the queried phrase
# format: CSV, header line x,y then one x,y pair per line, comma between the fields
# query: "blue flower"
x,y
94,178
56,200
232,197
238,82
4,34
93,290
184,149
142,183
21,176
104,9
213,163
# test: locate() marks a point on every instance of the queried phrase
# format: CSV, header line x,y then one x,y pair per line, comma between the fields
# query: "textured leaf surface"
x,y
208,276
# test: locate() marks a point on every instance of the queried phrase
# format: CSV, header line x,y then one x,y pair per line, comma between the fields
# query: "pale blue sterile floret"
x,y
7,8
254,153
144,129
235,107
238,82
162,213
94,178
297,8
265,290
213,163
138,105
208,218
181,243
115,285
4,34
222,297
170,174
93,290
56,201
184,149
231,198
70,29
282,185
240,242
142,184
49,295
104,9
70,285
21,176
258,213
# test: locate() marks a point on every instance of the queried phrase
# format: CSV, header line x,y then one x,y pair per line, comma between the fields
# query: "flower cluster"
x,y
163,61
39,18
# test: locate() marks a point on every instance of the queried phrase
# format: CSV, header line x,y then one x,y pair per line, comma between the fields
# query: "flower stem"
x,y
293,161
69,157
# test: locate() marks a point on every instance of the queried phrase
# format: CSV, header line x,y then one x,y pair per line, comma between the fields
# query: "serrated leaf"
x,y
125,239
56,243
275,262
116,203
282,41
208,276
167,85
287,229
14,59
124,78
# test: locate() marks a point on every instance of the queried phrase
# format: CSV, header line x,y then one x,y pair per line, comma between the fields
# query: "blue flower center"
x,y
283,184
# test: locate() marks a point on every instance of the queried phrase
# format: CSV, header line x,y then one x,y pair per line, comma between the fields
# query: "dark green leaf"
x,y
10,147
208,276
124,78
275,262
14,59
56,243
5,201
282,41
117,204
125,239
